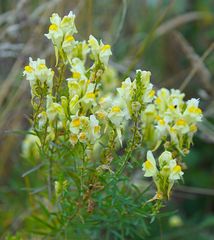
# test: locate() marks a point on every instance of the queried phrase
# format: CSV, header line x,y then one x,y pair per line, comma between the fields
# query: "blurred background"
x,y
172,39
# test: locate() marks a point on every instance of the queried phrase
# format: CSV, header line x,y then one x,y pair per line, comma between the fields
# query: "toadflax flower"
x,y
149,166
175,121
164,173
61,33
31,146
39,75
84,129
118,116
99,51
192,112
60,28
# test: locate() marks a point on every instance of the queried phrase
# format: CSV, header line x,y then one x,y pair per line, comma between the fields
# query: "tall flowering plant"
x,y
92,141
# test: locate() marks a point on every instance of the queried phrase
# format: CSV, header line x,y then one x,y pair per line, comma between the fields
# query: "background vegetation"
x,y
172,39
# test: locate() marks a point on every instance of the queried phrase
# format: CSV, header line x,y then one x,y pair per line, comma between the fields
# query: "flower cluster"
x,y
39,76
171,120
165,174
72,105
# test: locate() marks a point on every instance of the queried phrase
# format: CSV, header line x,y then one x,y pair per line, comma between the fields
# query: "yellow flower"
x,y
152,93
76,75
69,38
100,114
99,51
29,69
90,95
194,109
82,137
149,166
41,66
161,121
105,47
158,100
193,113
181,122
96,129
73,139
115,109
193,128
175,171
38,71
76,122
53,27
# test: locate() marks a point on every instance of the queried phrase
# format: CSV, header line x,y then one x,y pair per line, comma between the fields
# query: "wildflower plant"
x,y
91,141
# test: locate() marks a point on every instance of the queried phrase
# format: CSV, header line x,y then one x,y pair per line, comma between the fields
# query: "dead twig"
x,y
195,190
179,21
199,65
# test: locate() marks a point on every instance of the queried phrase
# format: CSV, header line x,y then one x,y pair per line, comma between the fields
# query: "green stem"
x,y
59,80
82,171
50,173
130,149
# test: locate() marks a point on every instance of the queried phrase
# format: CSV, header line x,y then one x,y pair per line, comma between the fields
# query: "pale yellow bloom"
x,y
62,30
100,52
37,73
149,166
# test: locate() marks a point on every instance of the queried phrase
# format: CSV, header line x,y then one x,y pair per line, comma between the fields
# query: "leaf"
x,y
40,233
57,55
43,222
45,210
208,222
33,169
37,190
18,132
75,177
